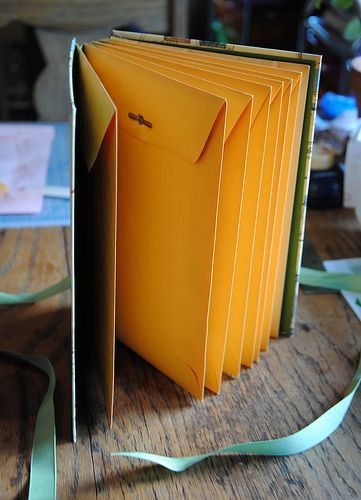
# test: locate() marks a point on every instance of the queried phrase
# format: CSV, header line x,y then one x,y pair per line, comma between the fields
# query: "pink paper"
x,y
24,157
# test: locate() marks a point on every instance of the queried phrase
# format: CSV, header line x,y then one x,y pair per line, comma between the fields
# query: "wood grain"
x,y
294,382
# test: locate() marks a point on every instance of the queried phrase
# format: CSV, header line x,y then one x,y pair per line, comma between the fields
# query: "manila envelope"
x,y
290,249
218,322
293,100
93,214
279,288
166,227
235,336
270,296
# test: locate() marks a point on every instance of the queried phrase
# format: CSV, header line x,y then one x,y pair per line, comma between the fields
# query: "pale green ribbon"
x,y
42,483
43,460
31,297
336,281
306,438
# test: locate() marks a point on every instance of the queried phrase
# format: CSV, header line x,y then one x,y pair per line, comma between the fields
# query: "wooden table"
x,y
293,383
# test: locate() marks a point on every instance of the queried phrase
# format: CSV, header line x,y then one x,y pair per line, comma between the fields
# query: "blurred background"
x,y
35,36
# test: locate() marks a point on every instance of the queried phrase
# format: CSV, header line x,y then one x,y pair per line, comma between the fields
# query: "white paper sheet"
x,y
350,266
24,156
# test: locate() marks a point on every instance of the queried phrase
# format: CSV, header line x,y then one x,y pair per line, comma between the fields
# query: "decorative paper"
x,y
24,157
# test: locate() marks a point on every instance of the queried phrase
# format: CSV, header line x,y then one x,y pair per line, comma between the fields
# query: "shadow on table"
x,y
29,329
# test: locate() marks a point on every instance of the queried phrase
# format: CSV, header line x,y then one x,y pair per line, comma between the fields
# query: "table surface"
x,y
293,383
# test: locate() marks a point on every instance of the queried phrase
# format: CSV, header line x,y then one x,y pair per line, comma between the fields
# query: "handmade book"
x,y
190,168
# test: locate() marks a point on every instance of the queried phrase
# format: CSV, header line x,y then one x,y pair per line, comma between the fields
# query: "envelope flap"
x,y
237,101
178,118
158,110
232,86
96,110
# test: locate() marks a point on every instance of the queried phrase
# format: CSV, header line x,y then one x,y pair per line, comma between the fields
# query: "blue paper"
x,y
55,211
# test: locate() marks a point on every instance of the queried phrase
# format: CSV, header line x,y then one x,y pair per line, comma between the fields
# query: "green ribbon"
x,y
336,281
42,484
31,297
43,460
300,441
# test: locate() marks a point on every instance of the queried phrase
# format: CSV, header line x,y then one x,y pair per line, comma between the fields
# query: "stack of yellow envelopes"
x,y
191,164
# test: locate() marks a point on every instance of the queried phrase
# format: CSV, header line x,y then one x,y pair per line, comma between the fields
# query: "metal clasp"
x,y
140,119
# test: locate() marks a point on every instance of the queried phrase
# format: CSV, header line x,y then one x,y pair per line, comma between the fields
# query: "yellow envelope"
x,y
264,306
267,274
273,278
184,175
264,272
166,246
238,122
94,201
224,270
274,281
281,248
249,219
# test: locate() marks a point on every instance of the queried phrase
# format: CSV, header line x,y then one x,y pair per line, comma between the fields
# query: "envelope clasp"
x,y
140,119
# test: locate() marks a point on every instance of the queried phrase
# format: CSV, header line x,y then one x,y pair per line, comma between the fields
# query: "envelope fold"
x,y
96,110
